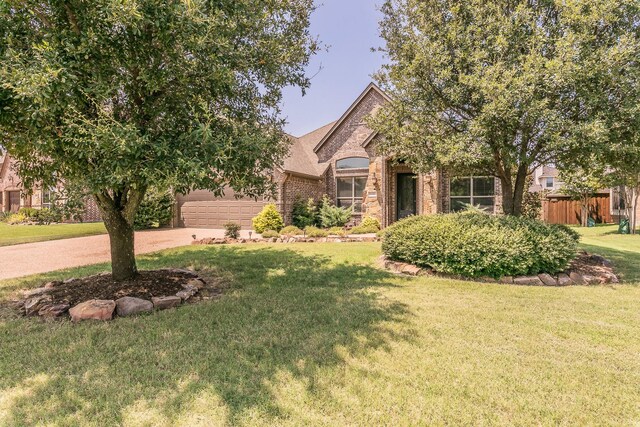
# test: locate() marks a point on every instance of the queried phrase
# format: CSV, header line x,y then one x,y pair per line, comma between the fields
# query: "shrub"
x,y
333,216
268,219
47,216
474,244
304,213
269,234
155,210
4,216
232,230
312,231
336,231
291,230
28,213
364,229
16,218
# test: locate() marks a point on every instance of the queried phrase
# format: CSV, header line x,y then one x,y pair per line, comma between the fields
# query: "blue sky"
x,y
350,29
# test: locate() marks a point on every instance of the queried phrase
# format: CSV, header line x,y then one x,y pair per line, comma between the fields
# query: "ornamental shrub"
x,y
269,234
268,219
291,230
333,216
475,244
28,213
16,218
232,230
364,229
46,216
304,213
337,231
156,209
312,231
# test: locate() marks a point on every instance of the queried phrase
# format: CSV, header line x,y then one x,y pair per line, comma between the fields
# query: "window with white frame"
x,y
47,197
479,191
549,182
352,163
350,191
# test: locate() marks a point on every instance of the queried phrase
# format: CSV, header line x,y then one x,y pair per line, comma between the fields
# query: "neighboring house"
x,y
546,178
13,195
341,161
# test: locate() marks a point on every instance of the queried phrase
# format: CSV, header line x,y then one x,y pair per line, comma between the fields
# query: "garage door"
x,y
200,209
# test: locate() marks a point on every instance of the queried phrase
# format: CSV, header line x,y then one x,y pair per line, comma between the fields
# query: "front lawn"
x,y
315,334
15,234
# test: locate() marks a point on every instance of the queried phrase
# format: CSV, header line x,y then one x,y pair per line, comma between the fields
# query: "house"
x,y
546,178
340,160
13,196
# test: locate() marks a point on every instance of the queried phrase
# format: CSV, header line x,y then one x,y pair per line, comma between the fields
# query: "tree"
x,y
499,87
120,96
582,183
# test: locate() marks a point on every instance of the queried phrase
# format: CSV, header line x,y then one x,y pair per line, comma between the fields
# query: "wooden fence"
x,y
563,210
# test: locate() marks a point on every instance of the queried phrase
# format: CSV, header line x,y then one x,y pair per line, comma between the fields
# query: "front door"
x,y
406,196
14,201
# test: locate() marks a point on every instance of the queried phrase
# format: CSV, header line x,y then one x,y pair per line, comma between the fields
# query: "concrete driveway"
x,y
41,257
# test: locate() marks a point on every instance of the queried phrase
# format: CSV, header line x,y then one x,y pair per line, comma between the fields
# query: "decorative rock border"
x,y
603,274
38,302
286,239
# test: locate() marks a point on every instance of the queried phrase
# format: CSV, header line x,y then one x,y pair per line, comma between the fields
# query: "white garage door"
x,y
200,209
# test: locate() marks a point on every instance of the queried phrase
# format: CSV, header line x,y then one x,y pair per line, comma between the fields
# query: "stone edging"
x,y
570,277
285,239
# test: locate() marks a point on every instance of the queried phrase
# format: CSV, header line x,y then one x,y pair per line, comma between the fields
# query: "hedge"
x,y
474,244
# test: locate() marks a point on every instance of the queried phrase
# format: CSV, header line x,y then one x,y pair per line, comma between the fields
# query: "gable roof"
x,y
302,160
371,87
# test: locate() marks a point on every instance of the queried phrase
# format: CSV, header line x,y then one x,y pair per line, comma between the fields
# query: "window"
x,y
350,192
549,182
476,191
47,197
353,163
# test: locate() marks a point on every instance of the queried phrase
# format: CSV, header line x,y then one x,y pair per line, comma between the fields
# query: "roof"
x,y
302,160
549,172
336,125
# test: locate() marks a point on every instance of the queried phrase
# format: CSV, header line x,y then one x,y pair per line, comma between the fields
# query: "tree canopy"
x,y
121,95
502,87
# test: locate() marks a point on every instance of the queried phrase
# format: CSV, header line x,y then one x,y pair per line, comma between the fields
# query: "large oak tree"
x,y
501,87
122,95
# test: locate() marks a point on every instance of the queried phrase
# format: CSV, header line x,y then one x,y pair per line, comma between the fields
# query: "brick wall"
x,y
296,187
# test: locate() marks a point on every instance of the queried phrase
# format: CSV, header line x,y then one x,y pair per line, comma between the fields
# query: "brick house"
x,y
340,160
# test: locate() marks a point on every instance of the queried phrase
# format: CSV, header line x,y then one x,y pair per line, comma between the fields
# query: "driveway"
x,y
41,257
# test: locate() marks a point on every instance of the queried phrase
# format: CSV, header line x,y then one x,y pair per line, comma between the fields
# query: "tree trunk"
x,y
634,210
118,211
513,192
121,238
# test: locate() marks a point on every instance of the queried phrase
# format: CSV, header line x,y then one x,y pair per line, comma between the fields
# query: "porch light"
x,y
374,179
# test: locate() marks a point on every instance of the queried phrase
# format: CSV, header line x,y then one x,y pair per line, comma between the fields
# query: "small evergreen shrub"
x,y
268,219
312,231
337,231
291,230
304,213
16,218
232,230
364,229
476,244
269,234
333,216
156,209
46,216
28,213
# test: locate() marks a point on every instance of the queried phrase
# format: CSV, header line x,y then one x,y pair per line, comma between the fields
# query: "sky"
x,y
350,29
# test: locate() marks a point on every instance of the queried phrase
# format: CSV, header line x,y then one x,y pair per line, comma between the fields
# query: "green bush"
x,y
16,218
312,231
46,216
268,219
232,230
28,213
291,230
475,244
155,210
364,229
333,216
336,231
269,234
304,213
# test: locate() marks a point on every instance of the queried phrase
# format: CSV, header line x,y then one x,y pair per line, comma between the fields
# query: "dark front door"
x,y
14,201
406,196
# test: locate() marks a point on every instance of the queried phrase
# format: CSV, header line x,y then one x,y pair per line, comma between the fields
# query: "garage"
x,y
201,209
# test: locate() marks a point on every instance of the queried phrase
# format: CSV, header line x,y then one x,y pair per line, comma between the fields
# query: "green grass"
x,y
16,234
317,335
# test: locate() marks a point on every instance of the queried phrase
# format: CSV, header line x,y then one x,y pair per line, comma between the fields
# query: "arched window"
x,y
353,163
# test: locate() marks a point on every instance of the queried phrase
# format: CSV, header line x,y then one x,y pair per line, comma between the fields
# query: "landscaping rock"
x,y
577,278
592,280
129,306
548,279
528,280
33,305
35,292
611,278
51,285
564,280
53,310
93,310
187,293
507,280
411,270
194,283
162,303
602,261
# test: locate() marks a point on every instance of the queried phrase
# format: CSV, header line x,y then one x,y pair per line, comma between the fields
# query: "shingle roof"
x,y
302,159
549,171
